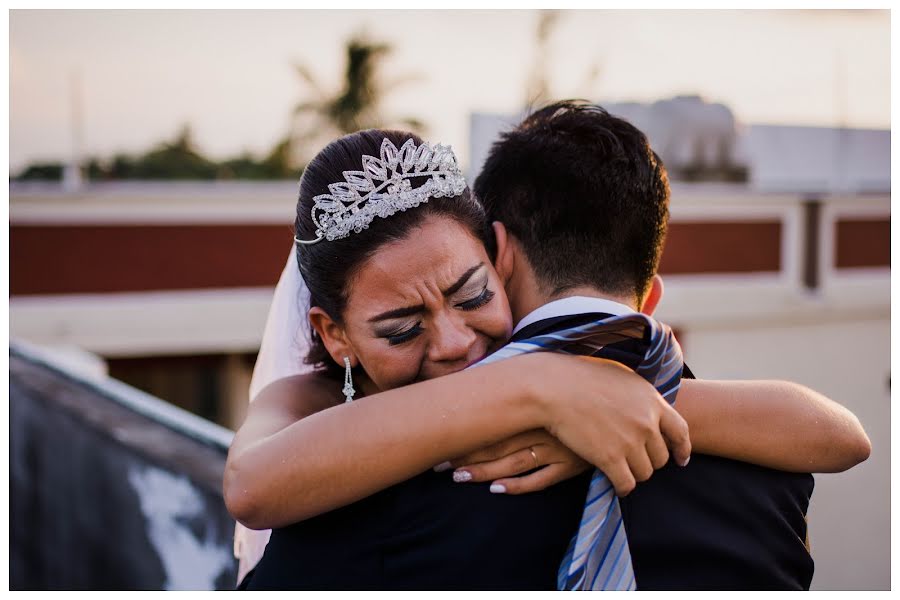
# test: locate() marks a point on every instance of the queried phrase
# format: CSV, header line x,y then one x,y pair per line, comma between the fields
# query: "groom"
x,y
572,180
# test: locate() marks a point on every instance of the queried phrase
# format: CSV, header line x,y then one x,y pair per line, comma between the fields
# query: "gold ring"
x,y
534,456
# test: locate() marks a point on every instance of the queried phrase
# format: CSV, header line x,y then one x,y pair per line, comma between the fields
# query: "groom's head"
x,y
583,195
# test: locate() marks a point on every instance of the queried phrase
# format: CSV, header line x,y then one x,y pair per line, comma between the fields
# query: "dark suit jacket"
x,y
715,524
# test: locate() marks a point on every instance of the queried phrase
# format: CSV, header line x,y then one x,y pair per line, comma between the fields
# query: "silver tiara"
x,y
383,188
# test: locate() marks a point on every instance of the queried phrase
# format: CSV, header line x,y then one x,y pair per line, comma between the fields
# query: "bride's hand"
x,y
610,416
536,450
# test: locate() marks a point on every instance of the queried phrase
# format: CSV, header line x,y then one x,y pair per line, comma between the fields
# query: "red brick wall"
x,y
862,243
722,247
99,259
74,259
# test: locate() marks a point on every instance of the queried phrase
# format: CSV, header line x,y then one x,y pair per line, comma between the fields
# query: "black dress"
x,y
428,533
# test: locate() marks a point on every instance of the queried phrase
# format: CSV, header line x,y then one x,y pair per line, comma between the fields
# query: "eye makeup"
x,y
483,298
475,294
404,336
469,293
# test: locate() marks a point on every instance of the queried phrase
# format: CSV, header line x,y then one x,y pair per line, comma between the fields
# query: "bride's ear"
x,y
333,336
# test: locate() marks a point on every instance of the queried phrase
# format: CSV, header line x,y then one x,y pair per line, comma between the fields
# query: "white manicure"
x,y
444,466
496,488
462,476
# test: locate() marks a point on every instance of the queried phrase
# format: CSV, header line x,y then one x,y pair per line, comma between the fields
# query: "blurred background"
x,y
154,159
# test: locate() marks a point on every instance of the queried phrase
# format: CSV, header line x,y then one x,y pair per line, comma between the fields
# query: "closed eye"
x,y
404,336
483,298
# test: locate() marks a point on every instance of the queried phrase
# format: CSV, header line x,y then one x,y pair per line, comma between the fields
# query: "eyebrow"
x,y
398,313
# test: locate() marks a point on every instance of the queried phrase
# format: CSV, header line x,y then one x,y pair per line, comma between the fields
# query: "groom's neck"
x,y
526,294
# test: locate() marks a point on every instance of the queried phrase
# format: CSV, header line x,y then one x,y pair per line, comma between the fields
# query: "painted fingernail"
x,y
462,476
444,466
497,488
686,461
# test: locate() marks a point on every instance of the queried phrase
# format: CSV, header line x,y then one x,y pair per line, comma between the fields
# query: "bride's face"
x,y
426,306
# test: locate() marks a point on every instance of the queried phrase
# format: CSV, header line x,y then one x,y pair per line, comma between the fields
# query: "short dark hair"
x,y
584,194
328,267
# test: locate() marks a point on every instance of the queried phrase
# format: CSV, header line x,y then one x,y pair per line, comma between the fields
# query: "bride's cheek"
x,y
499,326
401,366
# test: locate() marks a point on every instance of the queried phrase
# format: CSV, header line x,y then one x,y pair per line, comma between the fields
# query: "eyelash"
x,y
473,304
405,336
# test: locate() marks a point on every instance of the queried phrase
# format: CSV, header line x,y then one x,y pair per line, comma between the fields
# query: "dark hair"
x,y
328,266
584,194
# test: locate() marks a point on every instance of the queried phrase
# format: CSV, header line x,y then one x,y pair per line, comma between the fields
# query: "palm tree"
x,y
356,106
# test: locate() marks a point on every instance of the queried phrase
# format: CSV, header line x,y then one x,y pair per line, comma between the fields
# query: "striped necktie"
x,y
598,557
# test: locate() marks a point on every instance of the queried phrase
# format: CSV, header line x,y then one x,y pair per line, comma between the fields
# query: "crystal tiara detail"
x,y
383,188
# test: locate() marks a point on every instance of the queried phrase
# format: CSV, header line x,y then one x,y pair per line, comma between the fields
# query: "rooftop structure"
x,y
111,488
698,140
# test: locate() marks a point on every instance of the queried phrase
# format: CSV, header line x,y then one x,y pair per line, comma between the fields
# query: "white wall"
x,y
131,324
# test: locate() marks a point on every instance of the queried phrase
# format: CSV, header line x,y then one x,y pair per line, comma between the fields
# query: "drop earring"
x,y
348,390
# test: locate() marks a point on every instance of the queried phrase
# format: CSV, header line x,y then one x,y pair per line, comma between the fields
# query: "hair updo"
x,y
329,265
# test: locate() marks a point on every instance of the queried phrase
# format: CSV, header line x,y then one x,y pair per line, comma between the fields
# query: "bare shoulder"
x,y
300,395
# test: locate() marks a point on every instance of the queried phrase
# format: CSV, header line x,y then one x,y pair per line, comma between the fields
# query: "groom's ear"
x,y
653,297
505,260
333,336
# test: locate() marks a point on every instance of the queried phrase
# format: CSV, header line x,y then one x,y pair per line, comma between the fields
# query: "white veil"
x,y
285,343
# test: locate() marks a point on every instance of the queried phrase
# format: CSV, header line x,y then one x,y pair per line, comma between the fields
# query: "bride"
x,y
347,486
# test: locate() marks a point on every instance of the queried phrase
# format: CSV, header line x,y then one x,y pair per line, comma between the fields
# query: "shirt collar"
x,y
573,305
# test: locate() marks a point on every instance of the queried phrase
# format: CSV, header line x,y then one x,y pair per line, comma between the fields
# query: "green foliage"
x,y
95,170
122,167
176,159
277,164
42,172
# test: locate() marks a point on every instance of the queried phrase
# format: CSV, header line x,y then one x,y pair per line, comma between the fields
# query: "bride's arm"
x,y
289,462
775,424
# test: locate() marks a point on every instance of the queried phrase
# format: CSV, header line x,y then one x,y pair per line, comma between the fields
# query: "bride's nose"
x,y
452,339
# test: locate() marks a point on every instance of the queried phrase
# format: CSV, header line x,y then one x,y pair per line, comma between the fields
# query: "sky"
x,y
143,74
